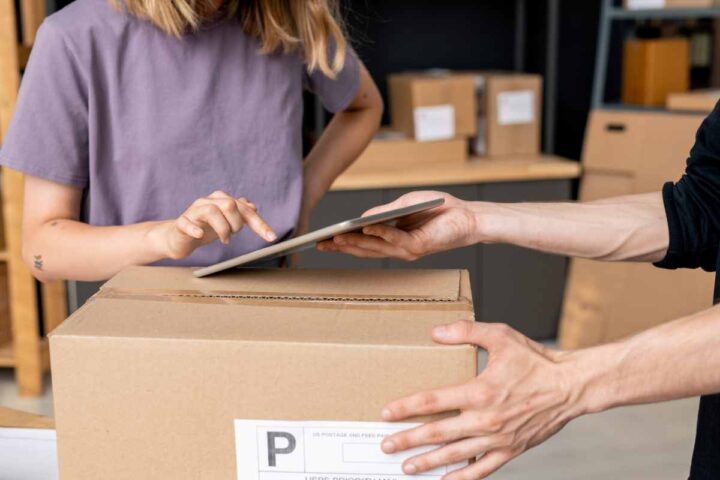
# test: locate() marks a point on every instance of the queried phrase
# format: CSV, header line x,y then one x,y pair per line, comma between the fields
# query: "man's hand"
x,y
449,226
526,394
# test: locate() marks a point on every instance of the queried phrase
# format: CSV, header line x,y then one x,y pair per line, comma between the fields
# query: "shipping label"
x,y
434,123
280,450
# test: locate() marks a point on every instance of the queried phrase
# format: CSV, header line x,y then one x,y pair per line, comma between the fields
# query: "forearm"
x,y
624,228
342,142
676,360
68,249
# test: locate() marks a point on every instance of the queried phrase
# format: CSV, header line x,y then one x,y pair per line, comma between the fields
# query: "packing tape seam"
x,y
310,298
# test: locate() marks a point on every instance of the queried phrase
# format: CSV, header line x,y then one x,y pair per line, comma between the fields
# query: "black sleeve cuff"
x,y
678,255
674,258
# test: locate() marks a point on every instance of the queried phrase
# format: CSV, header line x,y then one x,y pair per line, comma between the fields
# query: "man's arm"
x,y
623,228
527,392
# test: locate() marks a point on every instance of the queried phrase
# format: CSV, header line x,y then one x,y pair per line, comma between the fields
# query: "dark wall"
x,y
395,35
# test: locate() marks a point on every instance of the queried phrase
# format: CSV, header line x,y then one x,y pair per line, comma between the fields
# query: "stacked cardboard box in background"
x,y
150,376
694,101
433,113
654,69
628,153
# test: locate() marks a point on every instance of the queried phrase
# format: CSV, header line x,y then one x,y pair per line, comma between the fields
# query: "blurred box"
x,y
501,112
433,105
694,101
646,4
628,153
390,148
509,114
655,68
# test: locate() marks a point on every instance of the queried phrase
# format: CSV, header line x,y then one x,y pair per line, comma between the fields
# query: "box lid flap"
x,y
318,323
367,285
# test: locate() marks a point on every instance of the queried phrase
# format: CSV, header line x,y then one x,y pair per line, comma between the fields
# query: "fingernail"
x,y
410,469
440,332
388,446
386,414
271,236
198,232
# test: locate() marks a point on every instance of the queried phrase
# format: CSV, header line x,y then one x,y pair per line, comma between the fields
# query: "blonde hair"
x,y
311,26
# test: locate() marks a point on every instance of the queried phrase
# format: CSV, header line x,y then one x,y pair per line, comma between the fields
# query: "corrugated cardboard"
x,y
150,374
628,153
395,149
409,91
653,69
496,137
694,101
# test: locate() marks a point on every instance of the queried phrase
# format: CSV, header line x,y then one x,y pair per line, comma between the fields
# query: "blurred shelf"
x,y
15,419
7,358
23,55
663,13
624,107
477,170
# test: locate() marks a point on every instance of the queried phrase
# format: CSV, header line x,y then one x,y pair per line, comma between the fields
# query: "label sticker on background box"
x,y
434,123
516,108
279,450
643,4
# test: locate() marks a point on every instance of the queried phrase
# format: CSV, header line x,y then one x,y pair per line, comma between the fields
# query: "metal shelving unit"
x,y
612,12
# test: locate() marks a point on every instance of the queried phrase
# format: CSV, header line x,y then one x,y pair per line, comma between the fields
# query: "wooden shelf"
x,y
477,170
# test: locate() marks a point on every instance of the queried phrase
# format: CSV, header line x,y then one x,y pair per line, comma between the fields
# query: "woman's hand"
x,y
217,216
449,226
526,394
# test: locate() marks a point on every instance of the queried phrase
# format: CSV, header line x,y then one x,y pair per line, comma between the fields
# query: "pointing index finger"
x,y
256,223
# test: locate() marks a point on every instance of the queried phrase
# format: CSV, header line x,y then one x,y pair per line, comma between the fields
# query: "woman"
x,y
131,114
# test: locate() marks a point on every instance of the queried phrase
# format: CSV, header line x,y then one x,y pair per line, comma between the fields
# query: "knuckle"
x,y
493,424
502,330
427,400
219,193
226,204
434,434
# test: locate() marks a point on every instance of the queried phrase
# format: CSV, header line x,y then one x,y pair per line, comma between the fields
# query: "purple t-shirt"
x,y
147,123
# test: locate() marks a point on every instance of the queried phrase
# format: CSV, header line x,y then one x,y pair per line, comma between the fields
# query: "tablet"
x,y
309,240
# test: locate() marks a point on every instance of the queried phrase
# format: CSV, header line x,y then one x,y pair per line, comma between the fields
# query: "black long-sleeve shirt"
x,y
693,211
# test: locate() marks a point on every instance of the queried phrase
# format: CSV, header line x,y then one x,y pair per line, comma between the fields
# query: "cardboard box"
x,y
395,149
645,4
501,111
653,69
694,101
151,374
509,114
433,106
628,153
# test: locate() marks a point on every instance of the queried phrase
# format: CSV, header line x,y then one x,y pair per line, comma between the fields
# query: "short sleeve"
x,y
336,94
48,134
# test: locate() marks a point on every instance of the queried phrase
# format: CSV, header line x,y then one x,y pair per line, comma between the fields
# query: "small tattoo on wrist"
x,y
38,262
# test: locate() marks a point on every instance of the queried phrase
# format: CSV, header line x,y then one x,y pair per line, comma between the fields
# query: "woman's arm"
x,y
624,228
527,392
344,139
56,245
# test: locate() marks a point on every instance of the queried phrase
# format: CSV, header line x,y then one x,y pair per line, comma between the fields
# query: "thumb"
x,y
465,333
